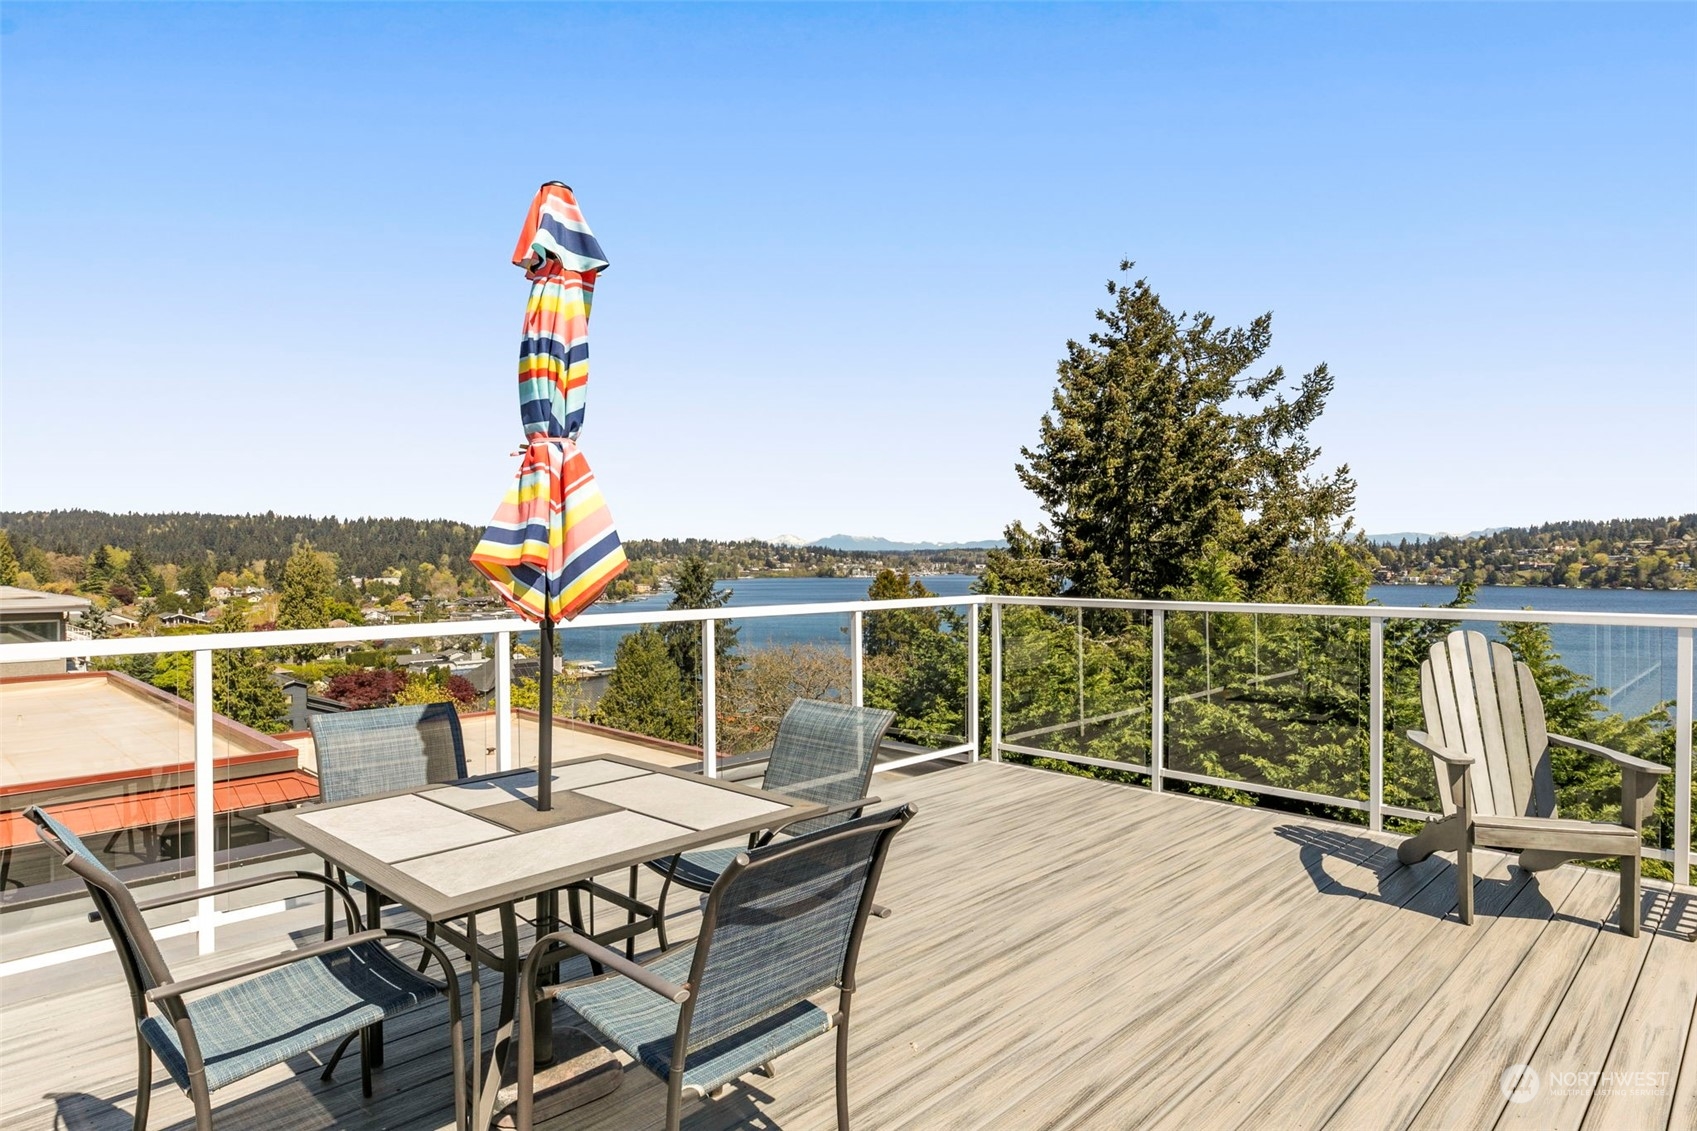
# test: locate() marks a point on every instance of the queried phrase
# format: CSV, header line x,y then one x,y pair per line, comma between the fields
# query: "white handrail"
x,y
437,630
1389,612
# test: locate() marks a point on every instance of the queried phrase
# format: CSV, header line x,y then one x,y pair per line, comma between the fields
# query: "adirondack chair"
x,y
1485,731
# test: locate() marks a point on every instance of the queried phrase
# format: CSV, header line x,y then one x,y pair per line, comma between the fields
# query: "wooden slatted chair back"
x,y
1480,700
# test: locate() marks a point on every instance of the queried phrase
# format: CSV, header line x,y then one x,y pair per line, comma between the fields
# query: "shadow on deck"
x,y
1067,953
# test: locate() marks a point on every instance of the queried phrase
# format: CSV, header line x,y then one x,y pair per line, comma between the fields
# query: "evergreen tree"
x,y
197,580
646,693
8,561
304,594
896,632
242,686
692,588
96,623
1147,466
100,570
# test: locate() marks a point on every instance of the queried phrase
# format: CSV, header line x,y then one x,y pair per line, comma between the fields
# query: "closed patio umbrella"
x,y
551,548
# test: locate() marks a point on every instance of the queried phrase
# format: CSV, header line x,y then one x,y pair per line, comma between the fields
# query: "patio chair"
x,y
216,1028
782,925
823,752
1491,753
361,753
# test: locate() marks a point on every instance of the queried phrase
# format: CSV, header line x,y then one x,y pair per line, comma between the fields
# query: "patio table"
x,y
450,851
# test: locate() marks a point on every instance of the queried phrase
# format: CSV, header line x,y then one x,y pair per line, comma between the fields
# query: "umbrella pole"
x,y
545,721
547,912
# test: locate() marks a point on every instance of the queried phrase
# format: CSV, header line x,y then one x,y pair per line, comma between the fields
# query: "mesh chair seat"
x,y
700,869
644,1026
288,1011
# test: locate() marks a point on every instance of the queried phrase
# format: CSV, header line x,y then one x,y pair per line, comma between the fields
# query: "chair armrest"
x,y
607,957
260,965
1437,749
1624,761
352,908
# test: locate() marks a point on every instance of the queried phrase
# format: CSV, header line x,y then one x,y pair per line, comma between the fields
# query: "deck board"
x,y
1067,953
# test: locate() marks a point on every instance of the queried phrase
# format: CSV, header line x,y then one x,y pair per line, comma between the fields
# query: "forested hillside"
x,y
362,546
369,547
1638,553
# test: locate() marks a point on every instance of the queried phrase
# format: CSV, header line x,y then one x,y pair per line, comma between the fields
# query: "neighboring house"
x,y
173,620
29,616
482,676
303,704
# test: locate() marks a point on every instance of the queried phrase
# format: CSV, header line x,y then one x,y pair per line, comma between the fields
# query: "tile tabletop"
x,y
445,850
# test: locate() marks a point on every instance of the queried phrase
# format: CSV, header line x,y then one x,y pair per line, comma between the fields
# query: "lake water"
x,y
1635,664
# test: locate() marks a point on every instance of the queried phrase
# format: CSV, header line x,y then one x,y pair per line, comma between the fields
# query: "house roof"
x,y
83,732
15,601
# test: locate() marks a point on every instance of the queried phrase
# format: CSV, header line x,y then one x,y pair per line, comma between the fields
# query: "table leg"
x,y
487,1094
630,917
547,915
374,919
479,1092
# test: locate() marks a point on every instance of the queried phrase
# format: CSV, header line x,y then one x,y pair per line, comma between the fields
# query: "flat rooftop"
x,y
106,725
1069,953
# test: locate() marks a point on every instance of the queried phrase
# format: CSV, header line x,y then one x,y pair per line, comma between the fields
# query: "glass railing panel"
x,y
1075,682
915,665
113,759
260,696
1270,700
766,663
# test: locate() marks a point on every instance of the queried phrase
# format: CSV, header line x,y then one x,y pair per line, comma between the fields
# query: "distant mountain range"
x,y
1416,536
877,545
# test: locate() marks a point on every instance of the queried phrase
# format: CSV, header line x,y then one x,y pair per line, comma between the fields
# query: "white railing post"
x,y
1157,697
857,658
503,700
972,679
709,702
1376,724
1079,635
205,818
995,681
1682,759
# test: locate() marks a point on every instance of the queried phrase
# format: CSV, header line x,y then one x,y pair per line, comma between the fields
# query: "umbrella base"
x,y
582,1072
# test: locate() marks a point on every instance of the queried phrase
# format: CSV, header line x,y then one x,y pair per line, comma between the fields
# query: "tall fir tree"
x,y
693,588
646,693
303,599
242,686
1163,450
8,561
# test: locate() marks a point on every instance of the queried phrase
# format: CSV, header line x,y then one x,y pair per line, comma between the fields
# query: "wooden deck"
x,y
1071,954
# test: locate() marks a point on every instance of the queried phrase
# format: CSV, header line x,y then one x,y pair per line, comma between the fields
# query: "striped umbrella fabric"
x,y
551,548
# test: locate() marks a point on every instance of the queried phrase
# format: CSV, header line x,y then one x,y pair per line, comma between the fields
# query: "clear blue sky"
x,y
255,257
